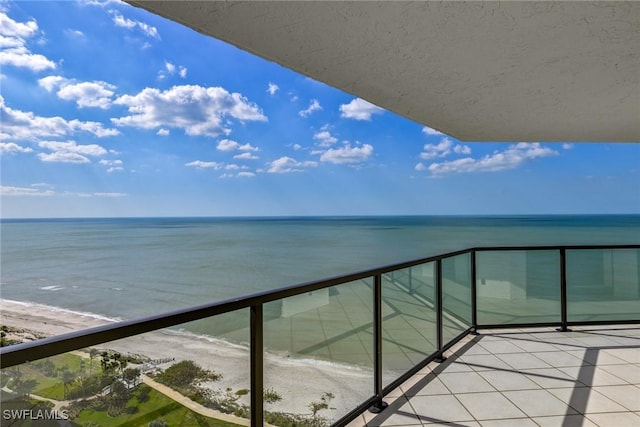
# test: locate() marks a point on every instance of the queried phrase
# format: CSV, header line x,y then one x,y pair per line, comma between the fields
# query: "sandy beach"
x,y
299,382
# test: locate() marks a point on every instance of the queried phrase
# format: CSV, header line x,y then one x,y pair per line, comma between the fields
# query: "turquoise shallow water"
x,y
130,267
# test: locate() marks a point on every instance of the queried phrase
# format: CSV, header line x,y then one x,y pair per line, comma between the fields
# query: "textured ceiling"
x,y
479,71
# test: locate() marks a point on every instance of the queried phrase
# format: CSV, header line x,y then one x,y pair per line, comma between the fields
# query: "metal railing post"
x,y
474,294
440,358
563,291
257,365
379,405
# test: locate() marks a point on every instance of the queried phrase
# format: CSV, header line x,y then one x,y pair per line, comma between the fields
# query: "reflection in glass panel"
x,y
456,296
603,284
409,319
319,353
138,380
518,287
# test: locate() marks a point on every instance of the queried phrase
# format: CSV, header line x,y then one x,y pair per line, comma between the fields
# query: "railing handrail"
x,y
51,346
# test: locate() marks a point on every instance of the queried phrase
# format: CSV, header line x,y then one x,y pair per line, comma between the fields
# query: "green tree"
x,y
67,378
117,398
24,386
130,375
186,373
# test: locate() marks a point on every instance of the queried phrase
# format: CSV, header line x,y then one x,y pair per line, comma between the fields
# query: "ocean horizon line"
x,y
312,217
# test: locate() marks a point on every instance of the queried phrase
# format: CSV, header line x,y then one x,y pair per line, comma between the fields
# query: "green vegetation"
x,y
186,374
103,390
150,407
51,377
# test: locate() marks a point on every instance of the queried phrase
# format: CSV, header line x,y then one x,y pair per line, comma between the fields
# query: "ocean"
x,y
130,267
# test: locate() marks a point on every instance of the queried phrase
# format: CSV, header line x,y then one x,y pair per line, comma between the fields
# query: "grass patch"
x,y
50,386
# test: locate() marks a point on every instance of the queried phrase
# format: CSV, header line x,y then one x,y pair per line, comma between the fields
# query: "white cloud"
x,y
297,147
429,131
171,69
514,156
462,149
130,24
245,156
196,109
359,109
324,138
443,149
113,165
11,28
567,146
63,157
21,125
163,132
29,191
88,94
50,83
21,57
272,89
77,34
72,147
94,128
287,165
69,152
199,164
110,194
420,167
110,162
246,174
10,42
230,145
12,147
23,191
85,94
205,165
314,105
13,41
347,154
102,3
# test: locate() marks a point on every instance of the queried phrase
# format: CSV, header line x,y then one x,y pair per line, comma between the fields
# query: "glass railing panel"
x,y
520,286
189,375
409,319
456,296
603,284
318,361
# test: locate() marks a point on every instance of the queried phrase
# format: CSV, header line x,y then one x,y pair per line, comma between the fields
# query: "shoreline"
x,y
298,381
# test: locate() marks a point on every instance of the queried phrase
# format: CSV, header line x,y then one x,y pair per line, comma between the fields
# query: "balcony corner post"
x,y
257,365
379,404
474,294
563,291
440,357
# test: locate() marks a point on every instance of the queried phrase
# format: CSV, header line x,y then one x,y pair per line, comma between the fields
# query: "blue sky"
x,y
108,110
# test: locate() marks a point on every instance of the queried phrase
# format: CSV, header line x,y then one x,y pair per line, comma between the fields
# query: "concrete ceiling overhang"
x,y
478,71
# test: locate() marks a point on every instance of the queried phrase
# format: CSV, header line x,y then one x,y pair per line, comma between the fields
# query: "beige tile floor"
x,y
525,377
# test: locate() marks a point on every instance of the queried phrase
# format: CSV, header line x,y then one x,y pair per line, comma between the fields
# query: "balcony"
x,y
525,377
467,337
